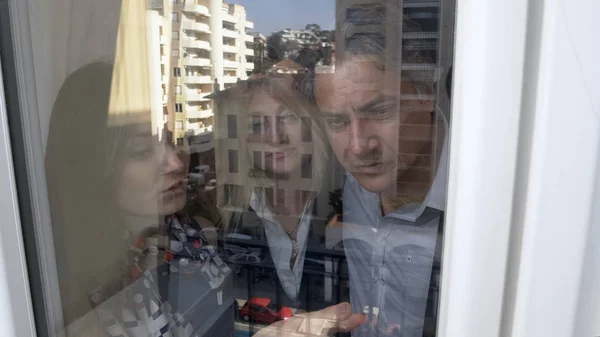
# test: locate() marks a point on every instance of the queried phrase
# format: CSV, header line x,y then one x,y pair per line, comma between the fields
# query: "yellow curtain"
x,y
130,100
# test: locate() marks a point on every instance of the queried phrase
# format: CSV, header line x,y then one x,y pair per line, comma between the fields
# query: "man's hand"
x,y
336,318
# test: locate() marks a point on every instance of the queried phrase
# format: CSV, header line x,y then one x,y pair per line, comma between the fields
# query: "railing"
x,y
230,64
196,61
230,33
195,96
198,44
230,18
230,79
198,113
230,49
195,8
198,79
196,26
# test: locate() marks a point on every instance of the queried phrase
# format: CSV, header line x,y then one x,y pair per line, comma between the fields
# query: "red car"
x,y
264,311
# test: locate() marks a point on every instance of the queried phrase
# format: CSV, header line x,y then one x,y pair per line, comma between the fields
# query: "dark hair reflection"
x,y
114,181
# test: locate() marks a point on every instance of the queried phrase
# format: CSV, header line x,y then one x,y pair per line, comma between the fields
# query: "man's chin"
x,y
374,183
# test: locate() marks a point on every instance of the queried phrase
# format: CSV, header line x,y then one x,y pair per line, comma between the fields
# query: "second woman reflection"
x,y
284,153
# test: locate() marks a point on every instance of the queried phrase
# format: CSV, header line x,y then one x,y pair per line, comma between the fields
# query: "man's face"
x,y
375,135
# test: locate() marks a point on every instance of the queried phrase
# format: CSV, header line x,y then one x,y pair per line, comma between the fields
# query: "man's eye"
x,y
382,113
337,123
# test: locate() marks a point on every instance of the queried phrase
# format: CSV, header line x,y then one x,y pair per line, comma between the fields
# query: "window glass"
x,y
298,164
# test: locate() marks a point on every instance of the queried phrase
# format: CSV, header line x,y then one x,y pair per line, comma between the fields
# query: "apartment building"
x,y
211,48
159,44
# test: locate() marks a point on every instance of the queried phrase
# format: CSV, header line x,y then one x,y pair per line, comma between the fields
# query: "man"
x,y
386,132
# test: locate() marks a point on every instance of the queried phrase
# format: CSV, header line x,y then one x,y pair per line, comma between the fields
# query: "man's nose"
x,y
363,138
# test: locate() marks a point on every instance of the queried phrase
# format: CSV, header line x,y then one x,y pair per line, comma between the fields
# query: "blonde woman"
x,y
282,159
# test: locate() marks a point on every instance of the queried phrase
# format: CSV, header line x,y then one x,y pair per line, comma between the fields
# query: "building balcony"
x,y
249,66
196,62
249,52
230,18
231,33
198,79
194,129
197,112
230,64
230,49
196,26
192,96
249,24
196,9
248,38
230,79
155,4
197,44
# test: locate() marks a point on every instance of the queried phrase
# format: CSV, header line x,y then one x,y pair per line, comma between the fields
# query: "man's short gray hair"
x,y
418,54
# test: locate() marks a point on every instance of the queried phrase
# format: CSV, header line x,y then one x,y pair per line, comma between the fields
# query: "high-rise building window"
x,y
232,126
176,2
306,166
269,196
178,91
178,107
175,34
281,198
179,125
306,129
257,159
177,72
233,161
175,53
175,17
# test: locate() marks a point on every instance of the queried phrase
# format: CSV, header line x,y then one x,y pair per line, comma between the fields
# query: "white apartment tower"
x,y
210,47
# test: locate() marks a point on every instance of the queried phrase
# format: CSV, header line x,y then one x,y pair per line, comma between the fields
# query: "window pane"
x,y
233,161
232,126
308,140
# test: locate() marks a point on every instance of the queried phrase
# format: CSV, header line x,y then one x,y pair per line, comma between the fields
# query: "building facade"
x,y
210,43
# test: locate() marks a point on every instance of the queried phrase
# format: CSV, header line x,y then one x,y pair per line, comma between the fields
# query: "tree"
x,y
278,48
315,28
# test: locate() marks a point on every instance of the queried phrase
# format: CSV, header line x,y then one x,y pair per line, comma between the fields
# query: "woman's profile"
x,y
132,261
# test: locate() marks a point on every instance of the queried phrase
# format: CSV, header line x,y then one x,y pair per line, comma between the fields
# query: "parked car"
x,y
263,310
196,174
232,249
249,256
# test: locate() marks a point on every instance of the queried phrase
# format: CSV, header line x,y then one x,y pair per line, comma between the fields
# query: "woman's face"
x,y
152,180
275,133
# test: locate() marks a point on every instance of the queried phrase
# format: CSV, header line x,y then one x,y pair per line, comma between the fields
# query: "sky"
x,y
273,15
